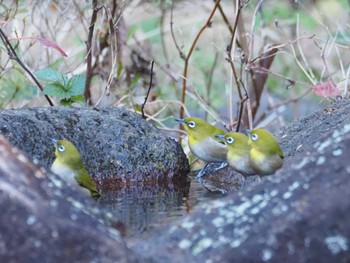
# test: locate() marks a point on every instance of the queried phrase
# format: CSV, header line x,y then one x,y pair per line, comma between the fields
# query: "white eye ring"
x,y
255,137
191,124
61,148
230,140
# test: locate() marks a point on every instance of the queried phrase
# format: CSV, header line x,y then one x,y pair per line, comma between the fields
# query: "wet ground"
x,y
138,210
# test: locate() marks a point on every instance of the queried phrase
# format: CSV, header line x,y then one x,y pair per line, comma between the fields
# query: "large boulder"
x,y
115,143
300,214
42,222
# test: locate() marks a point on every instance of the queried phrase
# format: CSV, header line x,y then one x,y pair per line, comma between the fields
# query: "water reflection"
x,y
139,209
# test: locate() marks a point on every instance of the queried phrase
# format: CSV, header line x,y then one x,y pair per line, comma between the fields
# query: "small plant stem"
x,y
87,91
210,82
234,72
185,72
182,55
13,55
148,91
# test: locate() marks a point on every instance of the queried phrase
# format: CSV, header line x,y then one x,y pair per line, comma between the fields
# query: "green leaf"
x,y
14,86
120,70
51,75
76,85
56,89
66,102
79,98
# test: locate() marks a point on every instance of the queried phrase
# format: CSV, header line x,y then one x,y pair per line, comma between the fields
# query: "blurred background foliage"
x,y
312,38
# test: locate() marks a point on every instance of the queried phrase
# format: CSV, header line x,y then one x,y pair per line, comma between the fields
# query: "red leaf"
x,y
50,44
326,90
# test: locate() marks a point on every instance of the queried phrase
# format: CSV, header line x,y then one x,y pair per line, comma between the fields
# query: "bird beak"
x,y
54,141
247,132
220,136
180,120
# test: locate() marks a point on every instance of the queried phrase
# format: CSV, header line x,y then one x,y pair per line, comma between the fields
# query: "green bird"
x,y
238,153
203,143
266,155
69,166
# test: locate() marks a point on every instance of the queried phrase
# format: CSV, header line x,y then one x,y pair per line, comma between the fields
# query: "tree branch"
x,y
13,55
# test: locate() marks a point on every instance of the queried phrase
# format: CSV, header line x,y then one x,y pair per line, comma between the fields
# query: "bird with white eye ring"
x,y
203,143
238,153
69,166
266,155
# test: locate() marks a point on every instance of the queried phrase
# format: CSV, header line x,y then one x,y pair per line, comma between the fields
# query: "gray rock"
x,y
40,224
114,143
300,214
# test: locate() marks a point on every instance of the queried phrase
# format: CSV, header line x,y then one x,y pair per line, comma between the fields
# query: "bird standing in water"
x,y
202,141
69,166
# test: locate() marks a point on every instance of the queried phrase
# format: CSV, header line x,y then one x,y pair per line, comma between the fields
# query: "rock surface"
x,y
40,224
114,143
300,214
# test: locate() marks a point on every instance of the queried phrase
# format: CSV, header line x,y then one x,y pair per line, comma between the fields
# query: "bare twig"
x,y
148,91
240,6
87,92
260,78
113,48
13,55
184,80
210,82
182,55
263,54
301,50
161,22
228,24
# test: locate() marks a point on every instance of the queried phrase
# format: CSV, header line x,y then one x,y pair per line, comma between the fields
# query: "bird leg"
x,y
243,182
202,172
223,165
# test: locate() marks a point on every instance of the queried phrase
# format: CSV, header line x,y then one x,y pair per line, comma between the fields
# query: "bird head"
x,y
199,129
264,141
66,153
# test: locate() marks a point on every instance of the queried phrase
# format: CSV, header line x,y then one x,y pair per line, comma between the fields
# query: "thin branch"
x,y
87,92
228,24
210,82
13,55
113,48
149,89
162,37
240,6
184,80
182,55
301,50
263,54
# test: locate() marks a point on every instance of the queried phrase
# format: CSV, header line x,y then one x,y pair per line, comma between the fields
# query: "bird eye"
x,y
191,124
61,148
255,136
230,140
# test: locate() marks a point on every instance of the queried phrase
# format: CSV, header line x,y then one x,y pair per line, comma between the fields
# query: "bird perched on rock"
x,y
69,166
202,141
266,155
238,153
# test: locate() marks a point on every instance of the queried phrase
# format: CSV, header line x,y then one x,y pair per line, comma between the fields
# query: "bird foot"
x,y
223,165
200,174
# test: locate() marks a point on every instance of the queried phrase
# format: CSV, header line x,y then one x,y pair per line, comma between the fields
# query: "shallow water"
x,y
140,209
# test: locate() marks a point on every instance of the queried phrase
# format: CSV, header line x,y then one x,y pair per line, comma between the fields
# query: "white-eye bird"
x,y
69,166
238,153
266,155
202,141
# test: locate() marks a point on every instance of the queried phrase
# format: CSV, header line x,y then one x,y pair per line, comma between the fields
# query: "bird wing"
x,y
84,180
